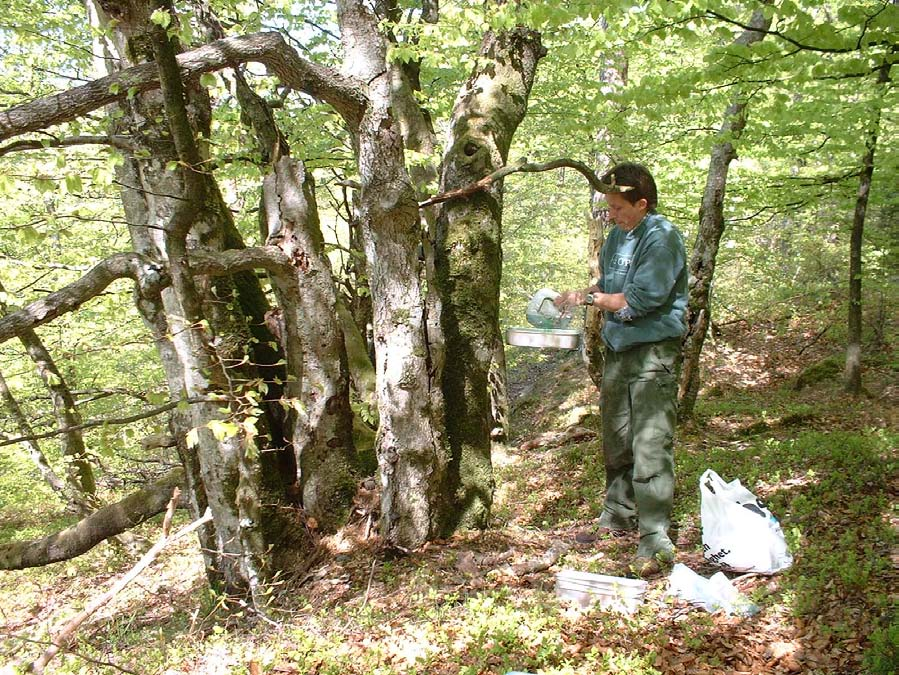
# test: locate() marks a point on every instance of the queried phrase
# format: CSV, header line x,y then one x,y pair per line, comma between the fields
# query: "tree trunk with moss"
x,y
149,194
210,330
409,445
322,432
468,260
852,374
223,432
711,228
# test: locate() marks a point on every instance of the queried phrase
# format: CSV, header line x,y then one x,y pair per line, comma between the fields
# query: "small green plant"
x,y
882,657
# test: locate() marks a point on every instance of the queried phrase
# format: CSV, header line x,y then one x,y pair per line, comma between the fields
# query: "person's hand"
x,y
567,300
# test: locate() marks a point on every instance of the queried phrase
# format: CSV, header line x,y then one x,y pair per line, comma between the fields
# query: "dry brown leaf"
x,y
792,664
576,648
286,668
467,565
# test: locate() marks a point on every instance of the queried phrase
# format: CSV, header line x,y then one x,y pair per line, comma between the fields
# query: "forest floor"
x,y
771,414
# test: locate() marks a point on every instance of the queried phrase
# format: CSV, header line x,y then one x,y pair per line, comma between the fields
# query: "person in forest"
x,y
643,294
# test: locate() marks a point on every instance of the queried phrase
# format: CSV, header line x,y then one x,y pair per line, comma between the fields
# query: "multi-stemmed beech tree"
x,y
259,383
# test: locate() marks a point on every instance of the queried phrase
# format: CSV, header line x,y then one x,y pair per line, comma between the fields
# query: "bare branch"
x,y
149,277
120,142
524,166
232,261
194,184
147,274
79,471
321,29
44,265
105,422
33,449
345,94
19,28
793,41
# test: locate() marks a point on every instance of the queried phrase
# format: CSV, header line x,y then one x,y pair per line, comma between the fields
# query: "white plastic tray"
x,y
586,588
553,338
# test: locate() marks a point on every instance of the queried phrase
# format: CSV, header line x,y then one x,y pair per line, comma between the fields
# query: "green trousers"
x,y
639,413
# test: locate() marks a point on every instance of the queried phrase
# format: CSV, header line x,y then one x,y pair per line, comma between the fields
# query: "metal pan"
x,y
552,338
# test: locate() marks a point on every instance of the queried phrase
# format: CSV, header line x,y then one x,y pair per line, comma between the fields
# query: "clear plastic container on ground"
x,y
586,588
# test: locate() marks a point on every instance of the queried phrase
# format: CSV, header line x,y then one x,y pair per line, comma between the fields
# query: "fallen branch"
x,y
553,439
80,655
744,578
543,562
815,338
524,166
64,637
102,524
371,575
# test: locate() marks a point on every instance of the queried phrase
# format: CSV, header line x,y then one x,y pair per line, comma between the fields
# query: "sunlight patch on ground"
x,y
577,412
763,487
218,660
737,367
504,455
410,646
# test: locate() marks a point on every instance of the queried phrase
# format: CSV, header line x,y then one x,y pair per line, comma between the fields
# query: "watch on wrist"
x,y
625,314
589,299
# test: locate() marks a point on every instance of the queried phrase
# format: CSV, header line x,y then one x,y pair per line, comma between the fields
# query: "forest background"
x,y
810,204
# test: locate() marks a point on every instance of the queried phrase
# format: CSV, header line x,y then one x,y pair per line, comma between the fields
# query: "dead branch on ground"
x,y
67,633
553,439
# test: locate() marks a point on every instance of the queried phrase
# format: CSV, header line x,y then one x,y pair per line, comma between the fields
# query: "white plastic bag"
x,y
738,530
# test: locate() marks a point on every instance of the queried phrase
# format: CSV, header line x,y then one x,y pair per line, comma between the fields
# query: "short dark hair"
x,y
636,176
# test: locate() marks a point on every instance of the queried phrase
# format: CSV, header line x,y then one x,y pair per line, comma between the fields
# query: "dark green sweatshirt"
x,y
649,265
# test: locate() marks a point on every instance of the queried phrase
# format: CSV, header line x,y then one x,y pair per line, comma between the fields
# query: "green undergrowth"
x,y
825,466
28,507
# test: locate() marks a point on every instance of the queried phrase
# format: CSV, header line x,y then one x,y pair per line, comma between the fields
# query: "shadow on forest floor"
x,y
479,603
